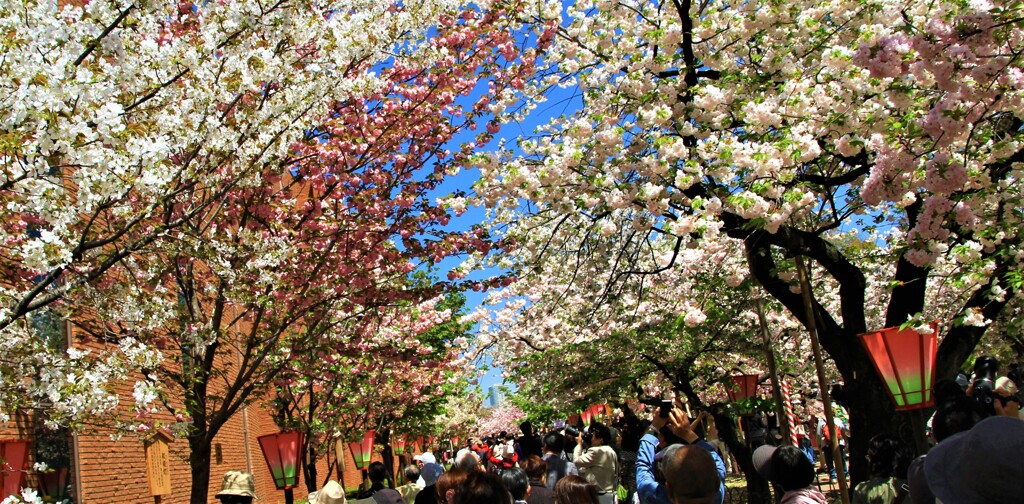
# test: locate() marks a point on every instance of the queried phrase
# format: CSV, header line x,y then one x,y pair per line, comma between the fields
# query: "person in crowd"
x,y
421,460
503,455
686,472
956,413
804,441
826,445
573,489
558,466
517,483
482,488
469,462
537,472
529,443
448,485
429,474
887,459
631,429
331,493
238,487
788,467
409,490
756,427
598,463
980,465
377,474
481,449
571,436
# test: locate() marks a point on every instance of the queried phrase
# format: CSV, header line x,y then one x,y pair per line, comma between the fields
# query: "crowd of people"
x,y
670,458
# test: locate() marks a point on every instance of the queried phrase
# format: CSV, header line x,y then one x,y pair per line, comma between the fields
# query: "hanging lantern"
x,y
363,450
905,360
608,409
586,415
13,464
281,452
574,419
398,445
455,441
743,386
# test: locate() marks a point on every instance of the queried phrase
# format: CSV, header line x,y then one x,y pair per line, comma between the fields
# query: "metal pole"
x,y
819,364
288,497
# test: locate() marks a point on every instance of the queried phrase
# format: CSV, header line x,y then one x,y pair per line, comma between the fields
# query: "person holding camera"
x,y
597,462
689,471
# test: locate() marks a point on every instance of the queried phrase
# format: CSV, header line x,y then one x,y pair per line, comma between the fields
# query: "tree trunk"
x,y
309,468
758,491
199,462
389,463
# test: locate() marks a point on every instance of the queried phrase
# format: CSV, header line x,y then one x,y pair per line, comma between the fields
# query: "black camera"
x,y
587,436
984,384
571,431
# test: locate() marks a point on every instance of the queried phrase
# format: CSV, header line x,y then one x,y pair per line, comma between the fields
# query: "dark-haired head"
x,y
956,415
888,456
377,472
600,430
482,488
448,485
554,442
791,469
573,489
535,467
516,482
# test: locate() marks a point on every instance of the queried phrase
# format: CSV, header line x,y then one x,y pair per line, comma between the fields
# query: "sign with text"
x,y
158,464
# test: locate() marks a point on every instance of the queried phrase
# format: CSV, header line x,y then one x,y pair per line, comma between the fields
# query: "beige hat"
x,y
331,493
1005,386
238,483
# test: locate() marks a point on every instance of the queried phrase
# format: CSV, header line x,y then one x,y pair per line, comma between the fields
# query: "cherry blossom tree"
x,y
504,417
124,123
379,372
682,333
203,190
880,140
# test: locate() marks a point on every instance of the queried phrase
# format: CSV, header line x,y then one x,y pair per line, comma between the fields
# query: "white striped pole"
x,y
790,416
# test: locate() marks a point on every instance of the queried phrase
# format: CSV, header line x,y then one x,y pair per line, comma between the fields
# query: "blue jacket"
x,y
650,491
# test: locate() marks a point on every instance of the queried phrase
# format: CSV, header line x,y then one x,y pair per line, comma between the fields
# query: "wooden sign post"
x,y
158,463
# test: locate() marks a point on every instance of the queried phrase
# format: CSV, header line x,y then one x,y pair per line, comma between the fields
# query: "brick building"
x,y
105,470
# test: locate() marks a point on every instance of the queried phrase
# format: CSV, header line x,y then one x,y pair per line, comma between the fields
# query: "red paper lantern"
x,y
586,415
455,441
281,452
13,464
398,446
574,419
363,450
905,360
743,386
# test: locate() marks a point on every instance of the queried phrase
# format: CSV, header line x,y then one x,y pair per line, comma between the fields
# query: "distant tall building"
x,y
495,396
